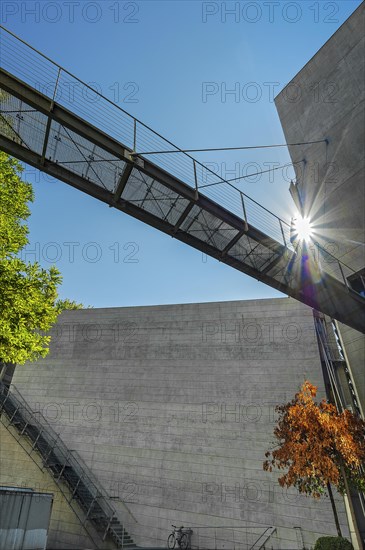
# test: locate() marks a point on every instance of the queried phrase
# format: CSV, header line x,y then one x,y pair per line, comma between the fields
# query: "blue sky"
x,y
159,61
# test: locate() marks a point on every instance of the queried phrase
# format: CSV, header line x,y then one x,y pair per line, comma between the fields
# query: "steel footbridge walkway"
x,y
53,121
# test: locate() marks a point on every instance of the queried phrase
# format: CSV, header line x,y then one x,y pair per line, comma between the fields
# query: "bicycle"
x,y
180,537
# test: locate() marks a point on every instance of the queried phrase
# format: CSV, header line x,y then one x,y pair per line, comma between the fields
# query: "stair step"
x,y
65,472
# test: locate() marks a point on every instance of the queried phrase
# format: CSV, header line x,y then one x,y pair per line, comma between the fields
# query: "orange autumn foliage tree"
x,y
317,445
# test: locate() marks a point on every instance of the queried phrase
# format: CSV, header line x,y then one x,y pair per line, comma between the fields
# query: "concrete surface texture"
x,y
325,100
22,468
172,407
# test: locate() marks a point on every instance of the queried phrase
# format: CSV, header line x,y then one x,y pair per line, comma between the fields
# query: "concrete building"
x,y
172,408
325,101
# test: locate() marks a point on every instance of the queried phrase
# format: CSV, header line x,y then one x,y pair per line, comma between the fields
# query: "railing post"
x,y
244,212
51,449
14,413
282,232
89,510
23,430
343,275
75,489
2,404
108,527
63,467
196,181
56,84
35,442
135,135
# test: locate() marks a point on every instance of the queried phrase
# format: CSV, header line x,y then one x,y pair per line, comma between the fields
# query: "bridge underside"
x,y
44,134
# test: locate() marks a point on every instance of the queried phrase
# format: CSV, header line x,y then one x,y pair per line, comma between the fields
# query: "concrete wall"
x,y
326,100
19,469
173,409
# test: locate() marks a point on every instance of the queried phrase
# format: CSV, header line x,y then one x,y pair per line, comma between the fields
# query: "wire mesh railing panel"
x,y
243,251
83,157
224,235
208,228
21,123
262,256
154,197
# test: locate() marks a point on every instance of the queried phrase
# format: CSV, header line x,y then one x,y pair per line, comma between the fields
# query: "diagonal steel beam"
x,y
272,264
183,216
123,181
231,243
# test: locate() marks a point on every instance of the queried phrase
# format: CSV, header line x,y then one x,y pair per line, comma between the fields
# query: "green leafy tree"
x,y
6,120
28,293
61,305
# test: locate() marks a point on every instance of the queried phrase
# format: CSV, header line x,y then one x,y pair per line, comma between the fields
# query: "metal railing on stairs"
x,y
333,360
237,537
65,466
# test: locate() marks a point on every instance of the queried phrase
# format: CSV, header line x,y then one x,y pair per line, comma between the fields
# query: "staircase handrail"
x,y
67,456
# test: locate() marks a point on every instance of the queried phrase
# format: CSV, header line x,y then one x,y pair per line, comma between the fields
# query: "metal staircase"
x,y
341,393
66,467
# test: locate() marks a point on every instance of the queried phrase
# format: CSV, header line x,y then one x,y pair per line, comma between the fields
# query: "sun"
x,y
303,228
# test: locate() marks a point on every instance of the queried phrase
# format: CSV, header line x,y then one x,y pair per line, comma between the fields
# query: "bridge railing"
x,y
87,101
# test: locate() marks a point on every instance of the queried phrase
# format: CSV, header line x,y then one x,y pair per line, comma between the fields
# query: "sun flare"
x,y
303,228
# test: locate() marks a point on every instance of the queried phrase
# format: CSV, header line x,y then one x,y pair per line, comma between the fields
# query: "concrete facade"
x,y
172,407
325,100
21,469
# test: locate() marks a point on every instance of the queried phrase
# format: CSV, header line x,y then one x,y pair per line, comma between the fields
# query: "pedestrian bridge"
x,y
88,142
